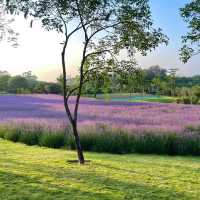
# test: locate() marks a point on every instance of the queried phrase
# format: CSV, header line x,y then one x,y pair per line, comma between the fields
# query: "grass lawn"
x,y
138,98
161,99
42,173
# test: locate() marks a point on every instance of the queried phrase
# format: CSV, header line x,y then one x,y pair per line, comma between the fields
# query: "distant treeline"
x,y
188,81
154,80
26,83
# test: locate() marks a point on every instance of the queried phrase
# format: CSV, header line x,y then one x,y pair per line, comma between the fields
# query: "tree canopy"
x,y
6,32
107,27
191,41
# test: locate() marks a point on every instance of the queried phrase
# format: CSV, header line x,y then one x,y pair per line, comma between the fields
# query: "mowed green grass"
x,y
161,99
138,98
28,173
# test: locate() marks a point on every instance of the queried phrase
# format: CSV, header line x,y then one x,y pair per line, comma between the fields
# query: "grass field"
x,y
42,173
125,97
161,99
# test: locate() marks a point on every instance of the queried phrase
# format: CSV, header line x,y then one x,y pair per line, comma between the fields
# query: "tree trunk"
x,y
78,144
68,112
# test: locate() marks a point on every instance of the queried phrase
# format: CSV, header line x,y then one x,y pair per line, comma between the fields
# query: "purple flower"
x,y
48,110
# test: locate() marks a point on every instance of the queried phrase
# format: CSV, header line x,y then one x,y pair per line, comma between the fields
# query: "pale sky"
x,y
39,50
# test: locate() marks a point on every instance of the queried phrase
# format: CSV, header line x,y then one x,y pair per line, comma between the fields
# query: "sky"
x,y
39,50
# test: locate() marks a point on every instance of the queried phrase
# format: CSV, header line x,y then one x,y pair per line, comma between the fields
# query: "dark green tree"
x,y
172,79
106,26
155,71
17,83
31,79
94,84
53,88
191,41
196,91
40,87
4,79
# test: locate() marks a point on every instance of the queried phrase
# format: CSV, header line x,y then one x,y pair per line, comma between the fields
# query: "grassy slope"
x,y
42,173
161,99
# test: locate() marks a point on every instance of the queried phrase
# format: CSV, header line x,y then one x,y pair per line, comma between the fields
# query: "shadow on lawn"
x,y
40,181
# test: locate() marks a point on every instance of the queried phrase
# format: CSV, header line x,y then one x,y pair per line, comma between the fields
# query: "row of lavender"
x,y
48,110
117,127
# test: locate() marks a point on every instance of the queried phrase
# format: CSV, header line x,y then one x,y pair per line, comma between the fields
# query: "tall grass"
x,y
109,140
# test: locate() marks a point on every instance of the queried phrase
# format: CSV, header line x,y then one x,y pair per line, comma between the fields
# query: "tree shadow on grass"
x,y
21,187
39,181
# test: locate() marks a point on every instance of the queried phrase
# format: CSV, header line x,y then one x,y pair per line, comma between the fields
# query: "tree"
x,y
196,91
155,71
156,82
4,78
135,81
106,84
172,78
53,88
31,79
94,85
40,87
6,32
140,78
17,83
191,41
107,27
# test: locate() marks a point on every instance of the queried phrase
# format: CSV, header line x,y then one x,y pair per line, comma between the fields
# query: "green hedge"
x,y
118,142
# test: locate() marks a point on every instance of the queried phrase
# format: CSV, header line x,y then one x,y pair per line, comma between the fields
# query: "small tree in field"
x,y
106,26
191,41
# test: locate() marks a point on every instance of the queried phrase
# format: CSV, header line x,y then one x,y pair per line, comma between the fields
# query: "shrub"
x,y
111,141
186,100
190,100
193,129
52,140
179,100
3,130
54,88
195,100
23,91
146,143
188,144
29,137
12,134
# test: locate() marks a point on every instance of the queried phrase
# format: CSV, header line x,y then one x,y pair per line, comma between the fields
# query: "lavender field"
x,y
47,110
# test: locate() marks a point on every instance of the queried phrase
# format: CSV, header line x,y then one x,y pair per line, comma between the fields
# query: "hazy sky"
x,y
39,51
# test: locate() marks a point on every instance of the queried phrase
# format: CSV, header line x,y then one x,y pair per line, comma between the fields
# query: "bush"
x,y
148,144
188,144
17,82
190,100
52,140
186,100
3,130
179,100
29,137
23,91
12,134
104,142
193,129
54,88
195,100
111,141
